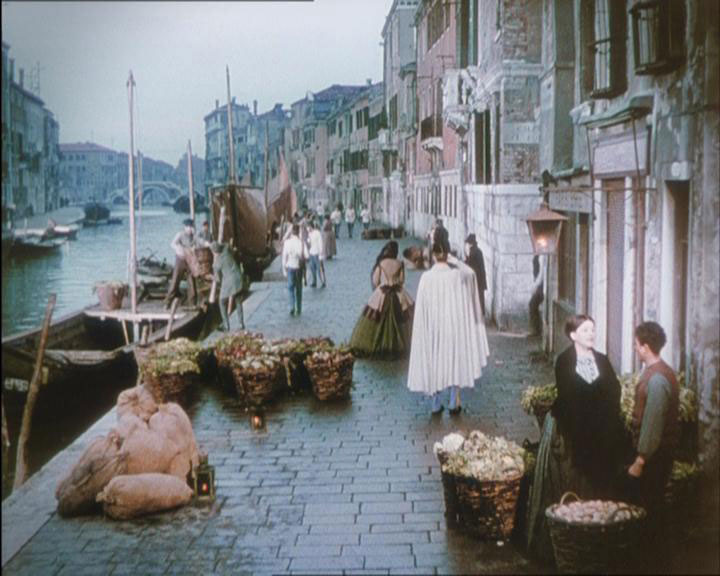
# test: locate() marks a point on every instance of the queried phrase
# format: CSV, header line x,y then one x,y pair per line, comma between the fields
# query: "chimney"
x,y
217,103
12,69
22,78
254,107
369,81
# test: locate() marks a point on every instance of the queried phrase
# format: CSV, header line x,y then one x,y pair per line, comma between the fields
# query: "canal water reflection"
x,y
98,254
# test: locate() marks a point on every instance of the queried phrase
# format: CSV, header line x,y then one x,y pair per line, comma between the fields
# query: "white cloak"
x,y
449,344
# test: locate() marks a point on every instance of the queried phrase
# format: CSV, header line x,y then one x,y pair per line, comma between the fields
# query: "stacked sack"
x,y
140,467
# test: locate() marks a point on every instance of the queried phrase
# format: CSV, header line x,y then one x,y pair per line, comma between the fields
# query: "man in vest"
x,y
656,433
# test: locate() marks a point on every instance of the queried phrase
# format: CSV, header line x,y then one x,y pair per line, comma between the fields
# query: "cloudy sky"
x,y
276,50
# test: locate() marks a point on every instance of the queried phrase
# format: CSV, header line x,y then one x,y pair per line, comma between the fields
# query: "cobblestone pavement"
x,y
350,487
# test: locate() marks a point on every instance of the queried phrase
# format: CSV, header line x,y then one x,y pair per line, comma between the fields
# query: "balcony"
x,y
431,133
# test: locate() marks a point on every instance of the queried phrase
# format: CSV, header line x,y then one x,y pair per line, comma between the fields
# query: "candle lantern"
x,y
544,226
257,421
204,480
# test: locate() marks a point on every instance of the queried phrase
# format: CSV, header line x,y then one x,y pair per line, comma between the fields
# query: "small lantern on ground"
x,y
204,480
544,226
257,421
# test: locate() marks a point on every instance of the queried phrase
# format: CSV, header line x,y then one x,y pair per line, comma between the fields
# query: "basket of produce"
x,y
204,261
110,294
169,369
481,482
594,536
330,370
537,400
256,377
293,353
398,232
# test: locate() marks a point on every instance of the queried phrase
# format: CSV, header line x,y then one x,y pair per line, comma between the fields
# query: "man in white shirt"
x,y
293,255
183,242
350,220
365,215
336,218
317,254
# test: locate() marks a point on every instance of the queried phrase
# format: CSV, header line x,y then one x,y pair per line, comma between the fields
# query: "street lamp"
x,y
544,226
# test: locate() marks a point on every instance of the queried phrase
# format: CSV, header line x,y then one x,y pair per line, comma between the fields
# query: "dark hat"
x,y
189,222
471,239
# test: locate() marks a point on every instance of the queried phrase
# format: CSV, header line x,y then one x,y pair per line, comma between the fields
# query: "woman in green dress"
x,y
230,276
385,325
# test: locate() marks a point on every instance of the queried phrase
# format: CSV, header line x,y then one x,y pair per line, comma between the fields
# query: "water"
x,y
98,254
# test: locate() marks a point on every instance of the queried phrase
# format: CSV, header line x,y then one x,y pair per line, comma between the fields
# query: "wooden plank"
x,y
129,316
173,308
125,331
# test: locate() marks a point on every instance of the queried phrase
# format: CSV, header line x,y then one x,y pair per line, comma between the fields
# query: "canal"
x,y
98,254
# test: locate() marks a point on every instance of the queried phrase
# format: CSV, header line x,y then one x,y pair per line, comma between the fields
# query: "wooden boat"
x,y
91,343
182,204
149,266
31,245
8,237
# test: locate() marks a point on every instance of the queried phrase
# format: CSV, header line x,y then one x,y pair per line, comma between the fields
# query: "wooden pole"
x,y
266,173
221,226
140,182
131,188
191,192
33,390
231,143
5,442
168,328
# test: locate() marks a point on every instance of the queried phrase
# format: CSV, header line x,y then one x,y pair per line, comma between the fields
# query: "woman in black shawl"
x,y
583,445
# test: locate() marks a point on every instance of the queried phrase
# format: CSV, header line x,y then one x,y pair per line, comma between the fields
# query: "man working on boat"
x,y
184,241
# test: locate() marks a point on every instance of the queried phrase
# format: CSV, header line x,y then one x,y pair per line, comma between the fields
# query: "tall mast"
x,y
131,201
266,169
190,182
231,144
140,182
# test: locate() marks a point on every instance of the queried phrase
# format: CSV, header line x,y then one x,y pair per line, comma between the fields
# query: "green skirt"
x,y
385,335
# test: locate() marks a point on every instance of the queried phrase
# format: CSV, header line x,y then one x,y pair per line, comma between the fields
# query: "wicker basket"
x,y
256,387
110,295
595,548
169,387
331,380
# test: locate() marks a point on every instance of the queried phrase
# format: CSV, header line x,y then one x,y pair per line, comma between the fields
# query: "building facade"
x,y
634,161
397,139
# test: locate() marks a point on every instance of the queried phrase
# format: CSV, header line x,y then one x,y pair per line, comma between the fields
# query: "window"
x,y
483,168
658,35
438,20
604,31
393,113
467,32
566,260
332,127
340,126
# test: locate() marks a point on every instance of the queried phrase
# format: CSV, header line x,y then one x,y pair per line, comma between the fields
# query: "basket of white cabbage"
x,y
481,480
257,376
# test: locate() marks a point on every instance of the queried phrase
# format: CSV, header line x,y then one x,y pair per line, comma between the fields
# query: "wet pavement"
x,y
350,487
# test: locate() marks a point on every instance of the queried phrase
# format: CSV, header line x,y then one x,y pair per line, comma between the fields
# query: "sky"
x,y
277,51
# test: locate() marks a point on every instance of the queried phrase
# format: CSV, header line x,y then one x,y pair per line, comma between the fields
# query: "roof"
x,y
334,92
412,4
77,147
15,86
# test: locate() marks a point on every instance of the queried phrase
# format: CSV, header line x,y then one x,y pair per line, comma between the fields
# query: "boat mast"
x,y
190,182
140,181
266,172
131,200
233,176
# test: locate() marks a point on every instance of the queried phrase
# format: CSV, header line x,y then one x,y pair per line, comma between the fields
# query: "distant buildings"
x,y
248,130
30,157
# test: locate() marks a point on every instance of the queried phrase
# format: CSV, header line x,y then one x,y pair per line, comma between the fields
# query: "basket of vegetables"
x,y
293,353
330,370
594,536
481,482
537,400
169,369
232,347
256,377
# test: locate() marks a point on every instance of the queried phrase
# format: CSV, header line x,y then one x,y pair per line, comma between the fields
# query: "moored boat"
x,y
31,245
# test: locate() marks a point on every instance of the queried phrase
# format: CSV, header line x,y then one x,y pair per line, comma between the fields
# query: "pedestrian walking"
x,y
182,244
336,218
385,326
293,255
229,274
365,217
328,235
350,220
474,259
449,344
316,252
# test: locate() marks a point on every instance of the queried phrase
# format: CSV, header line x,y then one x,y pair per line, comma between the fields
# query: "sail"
x,y
282,199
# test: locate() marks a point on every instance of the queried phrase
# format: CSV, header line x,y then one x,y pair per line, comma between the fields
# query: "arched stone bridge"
x,y
154,193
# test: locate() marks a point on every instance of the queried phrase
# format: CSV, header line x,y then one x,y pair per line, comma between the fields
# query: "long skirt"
x,y
384,335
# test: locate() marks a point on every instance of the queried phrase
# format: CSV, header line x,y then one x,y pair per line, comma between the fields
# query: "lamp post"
x,y
545,225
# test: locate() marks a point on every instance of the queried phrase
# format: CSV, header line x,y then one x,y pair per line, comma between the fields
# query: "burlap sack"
x,y
136,401
128,424
100,463
171,421
130,496
148,451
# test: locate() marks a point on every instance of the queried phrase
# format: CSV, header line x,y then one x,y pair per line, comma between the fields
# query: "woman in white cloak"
x,y
449,345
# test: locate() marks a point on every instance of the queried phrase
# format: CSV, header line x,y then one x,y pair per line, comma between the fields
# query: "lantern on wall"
x,y
257,421
544,226
204,480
